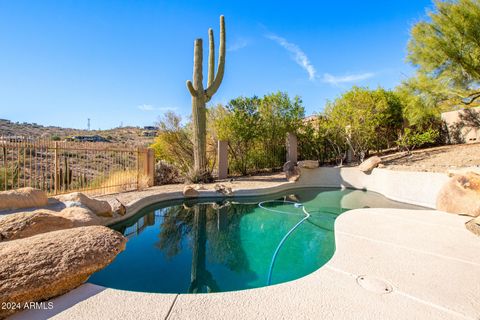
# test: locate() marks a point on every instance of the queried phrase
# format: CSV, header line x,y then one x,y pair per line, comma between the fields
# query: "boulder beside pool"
x,y
50,264
99,207
370,164
22,198
461,195
26,224
190,192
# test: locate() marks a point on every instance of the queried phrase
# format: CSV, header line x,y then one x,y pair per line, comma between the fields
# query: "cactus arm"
x,y
191,88
221,63
211,58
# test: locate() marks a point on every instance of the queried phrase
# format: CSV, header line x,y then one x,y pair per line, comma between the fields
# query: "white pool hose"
x,y
297,205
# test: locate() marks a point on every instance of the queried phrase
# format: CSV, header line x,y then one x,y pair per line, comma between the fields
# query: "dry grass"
x,y
119,181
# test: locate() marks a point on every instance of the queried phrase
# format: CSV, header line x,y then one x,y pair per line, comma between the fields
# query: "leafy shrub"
x,y
256,128
411,139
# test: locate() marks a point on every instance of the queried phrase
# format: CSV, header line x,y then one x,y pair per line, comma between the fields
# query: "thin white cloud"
x,y
149,108
335,80
238,44
297,54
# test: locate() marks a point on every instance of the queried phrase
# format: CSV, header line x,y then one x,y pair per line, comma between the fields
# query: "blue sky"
x,y
115,62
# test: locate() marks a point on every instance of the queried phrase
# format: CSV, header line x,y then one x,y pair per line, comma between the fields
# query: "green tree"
x,y
321,139
238,123
446,50
364,120
256,128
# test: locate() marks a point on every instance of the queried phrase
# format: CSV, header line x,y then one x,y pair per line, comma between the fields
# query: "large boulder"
x,y
81,217
190,191
369,164
308,164
50,264
22,198
26,224
117,207
461,195
99,207
292,172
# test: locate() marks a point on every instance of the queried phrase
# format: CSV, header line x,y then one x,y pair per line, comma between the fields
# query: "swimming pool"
x,y
217,245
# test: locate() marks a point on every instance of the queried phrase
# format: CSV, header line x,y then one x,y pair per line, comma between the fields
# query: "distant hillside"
x,y
127,135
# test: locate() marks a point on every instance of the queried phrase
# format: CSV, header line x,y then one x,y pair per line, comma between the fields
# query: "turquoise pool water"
x,y
214,245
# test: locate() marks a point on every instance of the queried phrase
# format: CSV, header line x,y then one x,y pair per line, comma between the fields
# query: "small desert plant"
x,y
166,173
199,177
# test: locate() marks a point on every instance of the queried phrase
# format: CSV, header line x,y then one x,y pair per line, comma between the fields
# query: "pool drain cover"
x,y
375,285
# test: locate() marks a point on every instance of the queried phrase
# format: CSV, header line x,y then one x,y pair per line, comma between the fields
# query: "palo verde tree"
x,y
201,96
446,49
364,120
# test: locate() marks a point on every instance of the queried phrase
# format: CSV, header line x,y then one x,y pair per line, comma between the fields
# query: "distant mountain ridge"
x,y
128,135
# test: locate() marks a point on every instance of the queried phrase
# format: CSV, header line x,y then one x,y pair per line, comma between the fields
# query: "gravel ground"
x,y
439,159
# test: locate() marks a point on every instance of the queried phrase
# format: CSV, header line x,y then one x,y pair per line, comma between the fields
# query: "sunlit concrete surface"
x,y
388,263
427,257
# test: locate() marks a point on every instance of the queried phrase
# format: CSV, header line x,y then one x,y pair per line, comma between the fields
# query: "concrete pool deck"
x,y
426,259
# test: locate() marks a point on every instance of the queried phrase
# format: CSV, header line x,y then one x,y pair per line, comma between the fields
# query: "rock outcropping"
x,y
190,192
26,224
50,264
78,199
369,164
461,195
22,198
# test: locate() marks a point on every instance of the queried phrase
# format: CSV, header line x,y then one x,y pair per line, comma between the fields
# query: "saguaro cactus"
x,y
201,96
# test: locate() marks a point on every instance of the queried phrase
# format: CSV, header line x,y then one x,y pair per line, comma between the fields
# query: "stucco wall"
x,y
469,134
420,188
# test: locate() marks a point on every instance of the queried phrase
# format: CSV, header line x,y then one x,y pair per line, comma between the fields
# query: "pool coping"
x,y
440,244
328,177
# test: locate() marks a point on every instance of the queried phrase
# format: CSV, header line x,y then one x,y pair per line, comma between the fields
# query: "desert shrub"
x,y
194,176
173,143
411,139
166,173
